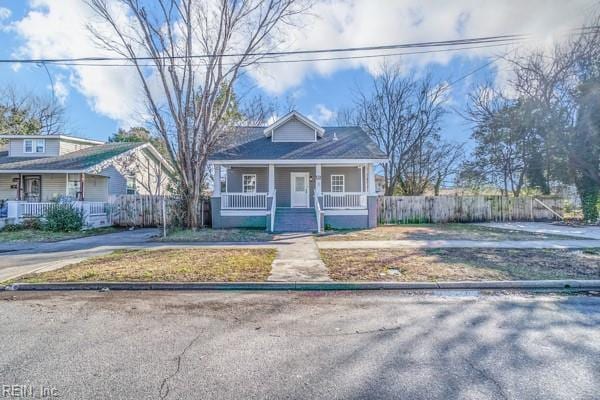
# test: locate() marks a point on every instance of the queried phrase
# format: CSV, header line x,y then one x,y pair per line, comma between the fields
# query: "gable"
x,y
294,130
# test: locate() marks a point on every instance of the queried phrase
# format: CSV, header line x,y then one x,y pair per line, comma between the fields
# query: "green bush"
x,y
12,228
64,218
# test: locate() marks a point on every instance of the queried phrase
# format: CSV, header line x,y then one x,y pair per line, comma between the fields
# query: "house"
x,y
38,169
295,175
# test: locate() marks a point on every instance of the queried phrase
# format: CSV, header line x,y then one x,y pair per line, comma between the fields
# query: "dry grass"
x,y
461,264
166,265
219,235
437,232
37,235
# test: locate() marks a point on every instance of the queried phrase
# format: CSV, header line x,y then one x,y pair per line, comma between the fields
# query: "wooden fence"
x,y
421,209
147,211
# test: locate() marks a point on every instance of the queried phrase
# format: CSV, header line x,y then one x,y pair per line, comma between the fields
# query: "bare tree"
x,y
197,50
27,113
401,114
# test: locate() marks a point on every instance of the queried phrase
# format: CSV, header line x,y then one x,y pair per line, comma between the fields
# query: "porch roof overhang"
x,y
300,162
42,171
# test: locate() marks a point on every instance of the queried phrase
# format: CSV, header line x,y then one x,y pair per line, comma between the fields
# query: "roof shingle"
x,y
337,143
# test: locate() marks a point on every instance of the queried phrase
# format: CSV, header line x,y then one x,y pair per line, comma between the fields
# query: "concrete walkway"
x,y
586,232
298,261
487,244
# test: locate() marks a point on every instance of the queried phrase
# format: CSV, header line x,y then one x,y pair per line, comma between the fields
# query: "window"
x,y
34,146
131,185
73,186
249,183
337,183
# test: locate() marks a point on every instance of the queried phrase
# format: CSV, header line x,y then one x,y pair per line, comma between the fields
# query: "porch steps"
x,y
295,220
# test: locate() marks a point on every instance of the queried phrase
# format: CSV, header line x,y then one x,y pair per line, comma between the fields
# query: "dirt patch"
x,y
437,232
461,264
166,265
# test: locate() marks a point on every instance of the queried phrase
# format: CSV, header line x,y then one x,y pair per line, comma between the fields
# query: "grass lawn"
x,y
166,265
436,232
34,235
218,235
461,264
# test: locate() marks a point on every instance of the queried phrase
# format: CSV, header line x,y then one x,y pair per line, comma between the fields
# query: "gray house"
x,y
36,170
295,175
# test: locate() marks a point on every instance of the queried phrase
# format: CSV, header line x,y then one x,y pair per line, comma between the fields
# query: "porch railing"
x,y
34,210
252,201
344,200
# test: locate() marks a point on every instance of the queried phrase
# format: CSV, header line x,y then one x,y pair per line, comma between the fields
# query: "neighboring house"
x,y
295,175
380,184
38,169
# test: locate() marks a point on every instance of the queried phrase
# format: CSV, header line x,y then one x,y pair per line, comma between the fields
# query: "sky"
x,y
98,101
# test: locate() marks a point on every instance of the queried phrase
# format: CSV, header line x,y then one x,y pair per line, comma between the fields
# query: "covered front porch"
x,y
29,195
286,196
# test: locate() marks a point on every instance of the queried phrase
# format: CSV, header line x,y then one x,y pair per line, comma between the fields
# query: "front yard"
x,y
436,232
218,235
38,235
166,265
460,264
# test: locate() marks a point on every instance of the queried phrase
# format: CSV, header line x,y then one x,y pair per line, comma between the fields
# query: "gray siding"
x,y
293,131
68,146
283,184
95,188
16,149
117,183
6,193
234,178
351,178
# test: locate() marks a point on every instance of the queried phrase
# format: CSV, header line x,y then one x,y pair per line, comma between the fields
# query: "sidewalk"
x,y
299,261
487,244
586,232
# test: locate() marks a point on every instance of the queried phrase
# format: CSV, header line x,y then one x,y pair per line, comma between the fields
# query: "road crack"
x,y
484,374
164,390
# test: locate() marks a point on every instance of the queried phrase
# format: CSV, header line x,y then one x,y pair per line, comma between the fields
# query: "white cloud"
x,y
341,23
5,13
57,29
60,90
323,115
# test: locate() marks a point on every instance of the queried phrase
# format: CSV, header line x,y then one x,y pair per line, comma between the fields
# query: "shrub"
x,y
33,223
12,228
64,218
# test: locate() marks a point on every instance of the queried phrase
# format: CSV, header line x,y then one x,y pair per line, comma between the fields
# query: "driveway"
x,y
587,232
30,257
301,345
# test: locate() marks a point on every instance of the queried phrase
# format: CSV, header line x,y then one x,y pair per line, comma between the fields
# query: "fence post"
x,y
164,217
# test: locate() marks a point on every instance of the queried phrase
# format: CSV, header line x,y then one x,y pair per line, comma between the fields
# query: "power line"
x,y
444,43
303,59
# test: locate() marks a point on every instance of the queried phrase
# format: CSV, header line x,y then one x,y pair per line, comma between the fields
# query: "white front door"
x,y
299,196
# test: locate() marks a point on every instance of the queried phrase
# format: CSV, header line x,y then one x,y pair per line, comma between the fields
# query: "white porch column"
x,y
271,179
371,185
318,180
217,180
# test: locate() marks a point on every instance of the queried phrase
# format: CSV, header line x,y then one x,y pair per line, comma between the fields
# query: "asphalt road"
x,y
149,345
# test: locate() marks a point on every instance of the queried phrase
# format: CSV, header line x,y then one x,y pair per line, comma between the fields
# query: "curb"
x,y
570,285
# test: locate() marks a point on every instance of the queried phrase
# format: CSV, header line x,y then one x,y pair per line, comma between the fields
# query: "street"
x,y
301,345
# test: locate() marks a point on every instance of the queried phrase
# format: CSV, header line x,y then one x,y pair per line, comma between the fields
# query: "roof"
x,y
338,143
76,161
61,137
294,114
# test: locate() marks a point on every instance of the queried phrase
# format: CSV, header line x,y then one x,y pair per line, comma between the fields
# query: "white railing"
x,y
273,210
34,210
253,201
92,207
344,200
318,213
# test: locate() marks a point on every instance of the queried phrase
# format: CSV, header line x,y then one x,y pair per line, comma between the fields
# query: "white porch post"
x,y
318,180
371,185
217,181
271,179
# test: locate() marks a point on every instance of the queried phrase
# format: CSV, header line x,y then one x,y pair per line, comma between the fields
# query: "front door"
x,y
32,188
299,195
